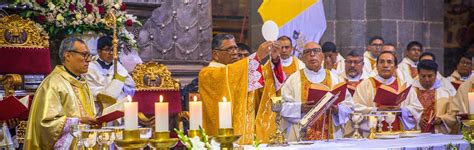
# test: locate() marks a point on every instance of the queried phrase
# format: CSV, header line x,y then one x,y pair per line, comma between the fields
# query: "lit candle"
x,y
161,115
470,96
131,114
195,114
225,114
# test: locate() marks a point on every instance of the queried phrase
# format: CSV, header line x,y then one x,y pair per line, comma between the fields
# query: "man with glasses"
x,y
237,80
106,86
296,105
408,64
463,69
365,94
353,73
332,58
62,100
373,50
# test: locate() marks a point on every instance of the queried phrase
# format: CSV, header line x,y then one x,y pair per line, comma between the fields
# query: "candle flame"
x,y
195,98
224,99
161,98
129,98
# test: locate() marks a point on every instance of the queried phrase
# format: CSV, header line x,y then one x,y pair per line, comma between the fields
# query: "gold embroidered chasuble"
x,y
59,97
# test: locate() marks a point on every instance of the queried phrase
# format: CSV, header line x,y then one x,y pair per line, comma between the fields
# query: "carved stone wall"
x,y
178,30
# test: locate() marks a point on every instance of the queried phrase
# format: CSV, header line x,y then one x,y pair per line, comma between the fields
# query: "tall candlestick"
x,y
131,114
470,96
225,114
161,115
195,114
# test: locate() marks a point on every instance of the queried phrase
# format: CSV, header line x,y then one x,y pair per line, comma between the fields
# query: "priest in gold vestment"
x,y
235,79
62,100
274,78
365,92
296,105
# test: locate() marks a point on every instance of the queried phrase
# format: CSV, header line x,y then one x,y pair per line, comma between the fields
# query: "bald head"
x,y
312,56
311,45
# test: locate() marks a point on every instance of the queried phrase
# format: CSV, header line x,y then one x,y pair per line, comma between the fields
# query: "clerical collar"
x,y
385,81
287,62
410,62
315,76
436,85
72,74
215,64
104,64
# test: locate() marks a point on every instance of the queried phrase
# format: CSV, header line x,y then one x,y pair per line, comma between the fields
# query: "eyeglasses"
x,y
465,63
230,49
348,62
415,49
85,55
376,45
312,51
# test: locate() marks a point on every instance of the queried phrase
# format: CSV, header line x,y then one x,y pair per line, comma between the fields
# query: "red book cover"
x,y
112,112
390,97
110,117
11,107
317,91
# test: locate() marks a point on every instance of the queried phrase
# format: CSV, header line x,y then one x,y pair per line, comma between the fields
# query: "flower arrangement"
x,y
196,143
78,16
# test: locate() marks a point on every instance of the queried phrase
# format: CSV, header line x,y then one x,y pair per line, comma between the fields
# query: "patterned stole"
x,y
413,71
397,124
372,63
322,127
292,68
427,99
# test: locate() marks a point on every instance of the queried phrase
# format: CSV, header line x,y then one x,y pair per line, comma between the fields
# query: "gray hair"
x,y
355,53
67,45
217,39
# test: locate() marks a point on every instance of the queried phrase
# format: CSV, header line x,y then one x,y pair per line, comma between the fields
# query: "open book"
x,y
317,91
112,112
317,111
388,96
11,108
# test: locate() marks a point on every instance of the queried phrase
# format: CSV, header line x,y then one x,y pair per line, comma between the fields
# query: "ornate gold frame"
x,y
22,32
154,71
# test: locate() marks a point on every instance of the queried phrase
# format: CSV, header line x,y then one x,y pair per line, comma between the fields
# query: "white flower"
x,y
117,6
214,145
197,144
51,6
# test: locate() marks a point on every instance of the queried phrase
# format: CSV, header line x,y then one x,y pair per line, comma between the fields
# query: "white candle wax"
x,y
470,96
131,114
161,116
195,114
225,114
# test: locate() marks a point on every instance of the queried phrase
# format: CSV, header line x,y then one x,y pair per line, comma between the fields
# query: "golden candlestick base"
x,y
226,138
131,140
372,134
162,141
194,133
